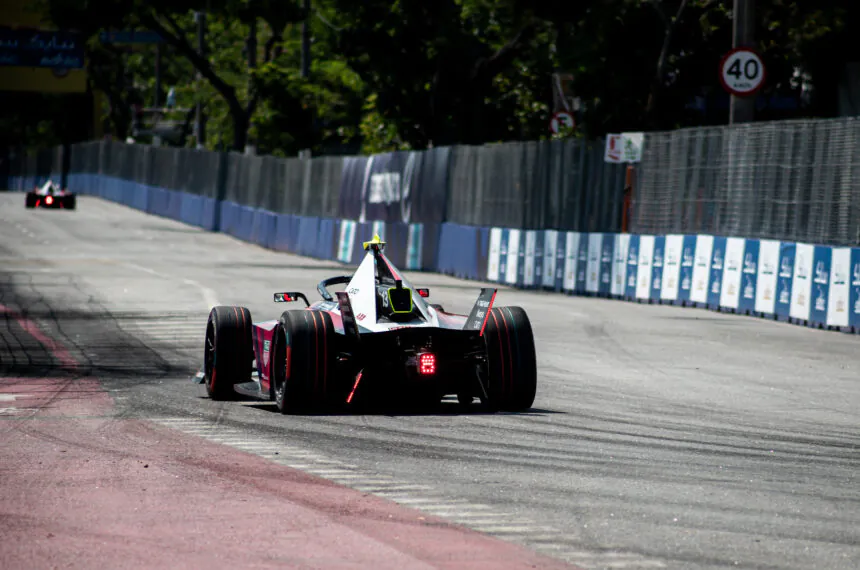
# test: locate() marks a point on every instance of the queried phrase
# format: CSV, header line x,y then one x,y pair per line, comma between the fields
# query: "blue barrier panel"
x,y
685,277
854,298
459,250
534,258
396,238
190,209
749,277
658,259
606,256
581,263
308,234
482,260
715,277
363,233
325,239
208,210
801,286
262,228
140,196
785,280
280,240
820,294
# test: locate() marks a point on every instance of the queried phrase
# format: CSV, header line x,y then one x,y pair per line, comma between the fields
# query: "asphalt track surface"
x,y
661,437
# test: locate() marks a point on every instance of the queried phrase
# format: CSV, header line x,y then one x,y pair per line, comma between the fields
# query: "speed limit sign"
x,y
742,72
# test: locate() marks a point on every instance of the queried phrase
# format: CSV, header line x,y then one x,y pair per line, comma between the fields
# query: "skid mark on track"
x,y
507,526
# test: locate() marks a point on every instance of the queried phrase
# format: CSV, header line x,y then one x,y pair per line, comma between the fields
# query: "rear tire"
x,y
31,200
511,361
70,202
303,367
229,351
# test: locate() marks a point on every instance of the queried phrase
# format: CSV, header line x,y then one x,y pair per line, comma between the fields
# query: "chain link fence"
x,y
792,180
562,185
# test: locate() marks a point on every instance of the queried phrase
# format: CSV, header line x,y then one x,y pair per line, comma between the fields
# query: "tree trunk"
x,y
240,126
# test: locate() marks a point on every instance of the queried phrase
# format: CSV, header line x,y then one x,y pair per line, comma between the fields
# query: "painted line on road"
x,y
209,296
487,519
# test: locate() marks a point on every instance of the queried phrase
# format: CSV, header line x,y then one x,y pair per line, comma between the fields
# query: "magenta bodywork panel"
x,y
262,338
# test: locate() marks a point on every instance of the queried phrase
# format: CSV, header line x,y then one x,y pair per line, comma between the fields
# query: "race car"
x,y
50,195
376,342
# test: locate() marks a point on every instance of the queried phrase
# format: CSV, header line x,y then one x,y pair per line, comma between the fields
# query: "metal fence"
x,y
792,180
561,185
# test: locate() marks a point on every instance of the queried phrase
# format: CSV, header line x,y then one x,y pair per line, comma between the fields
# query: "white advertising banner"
x,y
801,287
646,260
702,269
731,290
571,253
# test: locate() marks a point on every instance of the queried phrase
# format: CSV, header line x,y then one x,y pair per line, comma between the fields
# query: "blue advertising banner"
x,y
821,262
657,267
41,48
503,254
854,279
632,267
582,264
560,257
784,279
718,257
606,264
537,269
688,258
749,276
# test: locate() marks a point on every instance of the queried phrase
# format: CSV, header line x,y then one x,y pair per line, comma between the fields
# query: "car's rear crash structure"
x,y
376,341
50,195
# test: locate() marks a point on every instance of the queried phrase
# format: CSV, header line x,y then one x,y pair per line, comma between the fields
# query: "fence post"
x,y
628,199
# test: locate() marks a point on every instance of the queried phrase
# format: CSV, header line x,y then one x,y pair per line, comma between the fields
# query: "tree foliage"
x,y
411,74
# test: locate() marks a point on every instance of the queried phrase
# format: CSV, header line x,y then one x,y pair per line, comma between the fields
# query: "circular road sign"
x,y
742,72
559,120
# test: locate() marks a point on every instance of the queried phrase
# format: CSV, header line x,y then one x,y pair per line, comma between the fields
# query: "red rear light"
x,y
49,200
427,363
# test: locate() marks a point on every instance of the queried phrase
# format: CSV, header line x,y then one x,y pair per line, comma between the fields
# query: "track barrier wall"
x,y
485,213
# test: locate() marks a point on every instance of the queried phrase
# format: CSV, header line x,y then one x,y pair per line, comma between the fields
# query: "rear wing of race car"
x,y
477,319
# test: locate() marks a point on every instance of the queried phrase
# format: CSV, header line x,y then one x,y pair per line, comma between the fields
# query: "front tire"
x,y
303,368
511,361
229,351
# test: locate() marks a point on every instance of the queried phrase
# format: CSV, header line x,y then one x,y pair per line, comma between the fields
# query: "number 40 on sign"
x,y
742,72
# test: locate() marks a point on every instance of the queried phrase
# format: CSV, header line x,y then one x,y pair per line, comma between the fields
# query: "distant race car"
x,y
377,341
50,195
